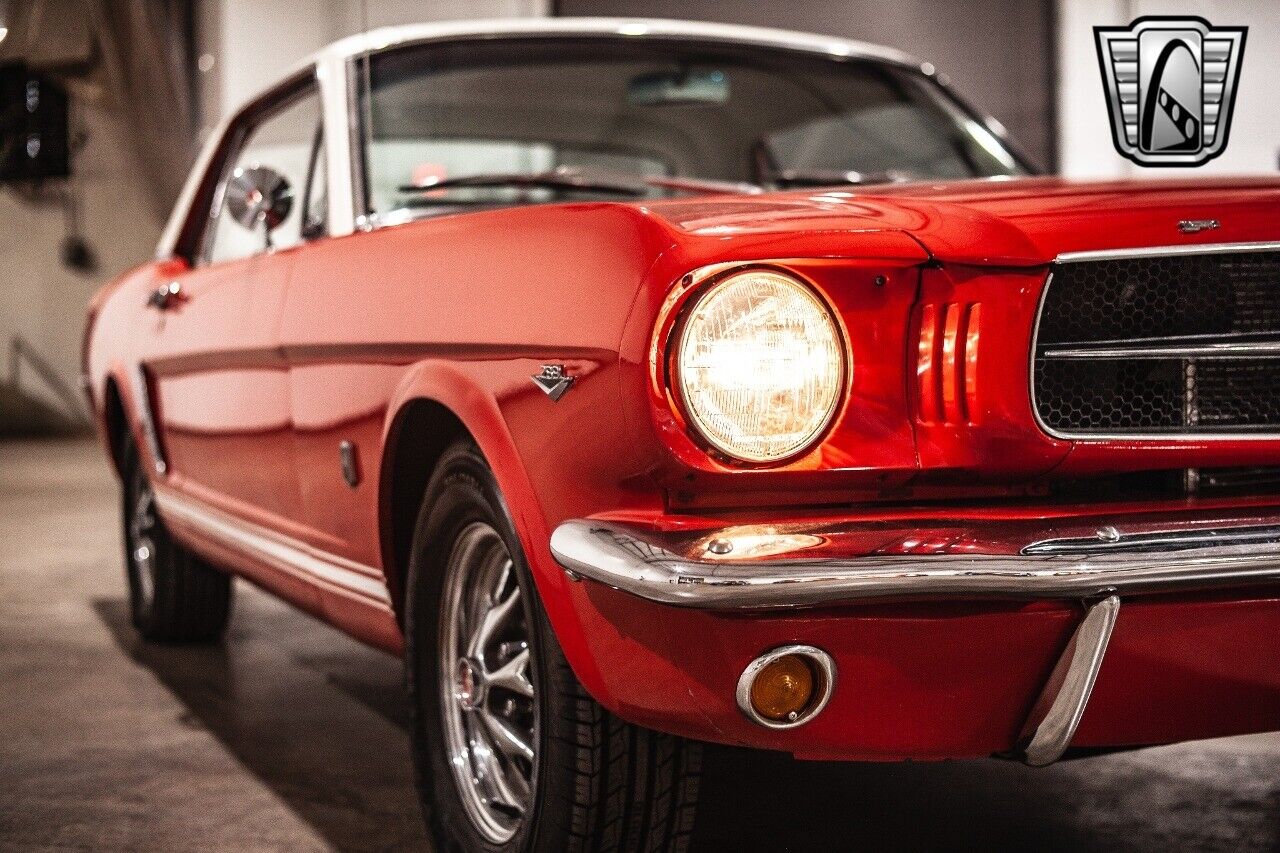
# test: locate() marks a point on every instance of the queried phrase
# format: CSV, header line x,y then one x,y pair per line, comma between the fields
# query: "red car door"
x,y
219,380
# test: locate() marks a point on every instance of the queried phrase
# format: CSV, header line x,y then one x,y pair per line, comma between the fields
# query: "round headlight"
x,y
760,365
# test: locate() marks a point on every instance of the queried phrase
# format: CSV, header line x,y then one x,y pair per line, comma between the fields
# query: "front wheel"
x,y
511,753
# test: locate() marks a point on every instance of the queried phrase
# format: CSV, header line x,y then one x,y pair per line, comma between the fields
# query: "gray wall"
x,y
245,44
998,53
41,301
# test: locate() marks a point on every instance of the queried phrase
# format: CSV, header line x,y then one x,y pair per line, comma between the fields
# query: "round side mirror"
x,y
259,197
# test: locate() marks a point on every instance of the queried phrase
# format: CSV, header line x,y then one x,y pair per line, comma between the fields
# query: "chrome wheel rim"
x,y
142,545
487,698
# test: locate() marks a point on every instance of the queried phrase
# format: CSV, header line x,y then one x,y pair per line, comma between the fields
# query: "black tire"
x,y
598,783
174,596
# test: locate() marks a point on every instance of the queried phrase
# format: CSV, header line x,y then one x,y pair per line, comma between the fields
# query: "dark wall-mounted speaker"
x,y
33,126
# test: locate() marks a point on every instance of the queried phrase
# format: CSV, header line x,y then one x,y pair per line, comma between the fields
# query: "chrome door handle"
x,y
165,296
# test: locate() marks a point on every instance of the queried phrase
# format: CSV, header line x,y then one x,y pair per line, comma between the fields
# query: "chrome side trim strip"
x,y
1057,713
281,551
1166,251
646,564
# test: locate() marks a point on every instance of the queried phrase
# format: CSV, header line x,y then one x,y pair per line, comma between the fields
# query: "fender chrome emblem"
x,y
553,380
1195,226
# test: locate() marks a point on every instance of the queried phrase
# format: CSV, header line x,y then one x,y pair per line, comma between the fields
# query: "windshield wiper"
x,y
823,178
582,180
709,186
556,179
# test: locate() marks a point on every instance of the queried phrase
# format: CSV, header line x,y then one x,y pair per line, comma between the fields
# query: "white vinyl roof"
x,y
386,37
330,63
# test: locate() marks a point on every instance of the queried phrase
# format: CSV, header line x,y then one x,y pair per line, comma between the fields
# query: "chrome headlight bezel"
x,y
696,296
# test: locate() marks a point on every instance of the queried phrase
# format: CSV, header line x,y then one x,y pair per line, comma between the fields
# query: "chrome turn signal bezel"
x,y
823,666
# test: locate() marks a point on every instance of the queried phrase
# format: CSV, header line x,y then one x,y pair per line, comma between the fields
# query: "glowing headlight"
x,y
760,366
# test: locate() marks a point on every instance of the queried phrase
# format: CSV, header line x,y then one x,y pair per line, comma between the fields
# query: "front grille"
x,y
1175,345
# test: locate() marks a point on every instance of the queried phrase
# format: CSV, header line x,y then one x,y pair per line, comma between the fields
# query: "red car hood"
x,y
1009,222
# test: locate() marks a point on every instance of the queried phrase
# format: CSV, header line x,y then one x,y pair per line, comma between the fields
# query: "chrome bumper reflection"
x,y
689,570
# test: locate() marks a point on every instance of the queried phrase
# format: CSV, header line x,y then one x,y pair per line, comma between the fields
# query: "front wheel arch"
x,y
116,424
441,395
418,436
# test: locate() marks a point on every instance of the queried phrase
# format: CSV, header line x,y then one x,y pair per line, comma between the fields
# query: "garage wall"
x,y
245,43
997,52
41,301
1086,148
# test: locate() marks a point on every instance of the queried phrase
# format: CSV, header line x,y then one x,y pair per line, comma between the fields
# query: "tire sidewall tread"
x,y
602,784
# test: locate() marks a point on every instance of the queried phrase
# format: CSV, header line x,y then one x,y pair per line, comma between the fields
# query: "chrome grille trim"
x,y
1261,349
1166,251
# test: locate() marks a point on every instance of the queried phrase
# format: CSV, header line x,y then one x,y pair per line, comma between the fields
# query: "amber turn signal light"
x,y
783,688
787,686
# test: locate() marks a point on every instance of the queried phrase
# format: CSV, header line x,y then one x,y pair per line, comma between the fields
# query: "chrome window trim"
x,y
332,74
167,246
304,75
358,47
1123,254
386,38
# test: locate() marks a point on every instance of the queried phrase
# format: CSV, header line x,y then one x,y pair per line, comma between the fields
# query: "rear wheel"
x,y
511,753
174,596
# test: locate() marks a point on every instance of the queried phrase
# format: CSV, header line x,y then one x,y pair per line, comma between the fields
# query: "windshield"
x,y
649,110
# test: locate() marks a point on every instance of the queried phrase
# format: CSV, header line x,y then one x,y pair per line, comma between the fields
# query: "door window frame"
x,y
193,240
262,109
310,229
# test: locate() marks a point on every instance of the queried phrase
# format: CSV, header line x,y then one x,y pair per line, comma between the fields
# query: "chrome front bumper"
x,y
815,564
1093,561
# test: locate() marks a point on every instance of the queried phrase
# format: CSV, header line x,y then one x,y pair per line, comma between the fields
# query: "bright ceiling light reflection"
x,y
753,541
761,366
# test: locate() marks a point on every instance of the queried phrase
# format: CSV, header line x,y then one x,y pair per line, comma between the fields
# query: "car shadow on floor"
x,y
342,766
321,721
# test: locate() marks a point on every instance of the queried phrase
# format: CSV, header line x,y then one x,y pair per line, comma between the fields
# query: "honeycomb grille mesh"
x,y
1098,367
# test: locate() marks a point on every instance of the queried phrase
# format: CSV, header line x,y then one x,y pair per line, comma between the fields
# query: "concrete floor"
x,y
292,737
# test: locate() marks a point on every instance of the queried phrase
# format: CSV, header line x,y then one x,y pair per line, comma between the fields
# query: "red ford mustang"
x,y
648,383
